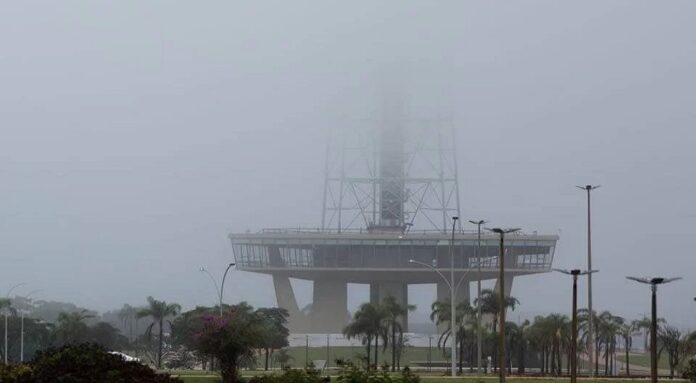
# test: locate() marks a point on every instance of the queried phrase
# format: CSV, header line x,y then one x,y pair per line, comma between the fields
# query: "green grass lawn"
x,y
644,360
440,379
418,354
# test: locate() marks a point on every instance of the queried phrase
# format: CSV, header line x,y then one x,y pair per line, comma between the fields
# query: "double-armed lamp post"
x,y
219,290
7,311
574,329
501,301
479,335
452,287
590,326
653,282
21,341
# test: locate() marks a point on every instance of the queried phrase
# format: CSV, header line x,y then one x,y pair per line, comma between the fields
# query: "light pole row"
x,y
501,297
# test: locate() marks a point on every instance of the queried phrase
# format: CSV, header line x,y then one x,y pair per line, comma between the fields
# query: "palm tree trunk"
x,y
596,357
160,341
393,347
461,354
369,343
628,369
266,364
545,359
568,363
559,359
495,344
376,352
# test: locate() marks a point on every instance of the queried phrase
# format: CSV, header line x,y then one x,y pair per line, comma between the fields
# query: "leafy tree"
x,y
283,358
108,336
158,311
88,363
677,346
276,333
231,338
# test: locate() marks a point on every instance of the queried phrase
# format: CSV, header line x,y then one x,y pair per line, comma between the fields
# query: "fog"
x,y
136,135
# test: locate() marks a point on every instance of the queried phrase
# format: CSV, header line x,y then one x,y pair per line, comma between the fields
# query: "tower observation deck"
x,y
389,194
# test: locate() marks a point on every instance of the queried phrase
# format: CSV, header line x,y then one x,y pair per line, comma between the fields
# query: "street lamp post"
x,y
21,342
6,315
574,329
453,318
590,319
219,290
501,302
453,292
653,282
479,336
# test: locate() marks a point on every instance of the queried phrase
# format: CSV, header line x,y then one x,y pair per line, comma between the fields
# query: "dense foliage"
x,y
83,363
233,338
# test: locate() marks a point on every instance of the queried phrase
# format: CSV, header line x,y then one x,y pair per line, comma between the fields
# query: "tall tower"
x,y
391,174
390,189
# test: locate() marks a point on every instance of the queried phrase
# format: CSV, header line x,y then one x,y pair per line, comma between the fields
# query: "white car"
x,y
125,357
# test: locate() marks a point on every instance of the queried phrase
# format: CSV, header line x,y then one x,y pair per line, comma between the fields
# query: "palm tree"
x,y
626,331
71,327
678,346
128,316
490,304
464,317
584,342
368,324
275,331
644,325
158,311
394,313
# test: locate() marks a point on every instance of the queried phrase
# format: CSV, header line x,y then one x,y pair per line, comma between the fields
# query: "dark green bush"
x,y
352,374
87,363
15,373
690,370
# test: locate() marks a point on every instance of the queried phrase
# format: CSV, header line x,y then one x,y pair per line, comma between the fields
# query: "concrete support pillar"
x,y
330,306
381,290
297,321
508,284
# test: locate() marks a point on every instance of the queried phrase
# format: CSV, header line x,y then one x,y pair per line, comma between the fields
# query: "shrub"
x,y
15,373
90,363
690,370
352,374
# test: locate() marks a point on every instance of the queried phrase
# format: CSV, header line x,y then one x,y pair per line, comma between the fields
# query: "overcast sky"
x,y
136,135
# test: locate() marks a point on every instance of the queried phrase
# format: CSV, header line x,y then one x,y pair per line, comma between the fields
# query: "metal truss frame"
x,y
351,197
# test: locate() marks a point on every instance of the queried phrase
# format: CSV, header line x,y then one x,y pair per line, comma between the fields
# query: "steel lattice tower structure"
x,y
391,175
390,190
